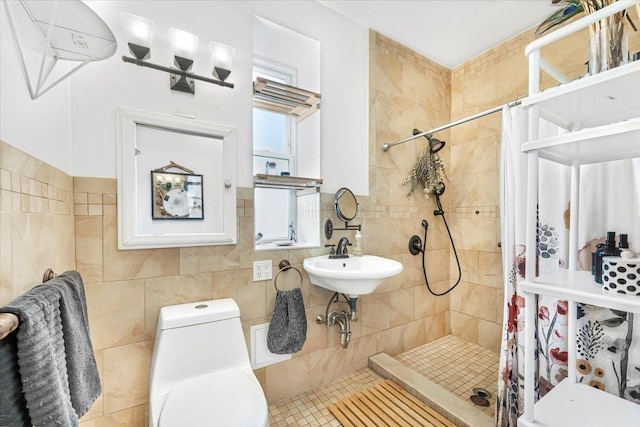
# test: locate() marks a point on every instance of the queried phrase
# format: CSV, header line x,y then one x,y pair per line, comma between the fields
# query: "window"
x,y
273,153
286,136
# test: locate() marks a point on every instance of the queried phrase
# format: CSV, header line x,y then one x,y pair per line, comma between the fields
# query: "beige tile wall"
x,y
36,221
492,78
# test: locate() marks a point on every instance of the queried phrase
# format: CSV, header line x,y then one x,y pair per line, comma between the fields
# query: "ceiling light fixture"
x,y
183,45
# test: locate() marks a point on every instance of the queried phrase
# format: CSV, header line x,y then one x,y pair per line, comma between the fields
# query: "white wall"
x,y
100,87
39,127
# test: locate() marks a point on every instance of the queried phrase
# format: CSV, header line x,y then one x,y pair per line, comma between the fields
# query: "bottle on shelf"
x,y
606,249
623,244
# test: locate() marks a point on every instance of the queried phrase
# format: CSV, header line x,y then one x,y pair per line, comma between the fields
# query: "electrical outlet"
x,y
261,270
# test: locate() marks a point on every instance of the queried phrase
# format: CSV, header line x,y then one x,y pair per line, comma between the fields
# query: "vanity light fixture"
x,y
183,45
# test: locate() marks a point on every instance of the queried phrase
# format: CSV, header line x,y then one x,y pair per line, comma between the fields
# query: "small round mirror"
x,y
345,204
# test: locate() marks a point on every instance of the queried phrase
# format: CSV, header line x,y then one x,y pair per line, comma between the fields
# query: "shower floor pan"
x,y
443,374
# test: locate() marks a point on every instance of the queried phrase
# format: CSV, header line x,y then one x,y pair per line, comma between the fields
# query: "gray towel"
x,y
13,408
59,372
41,357
288,327
84,382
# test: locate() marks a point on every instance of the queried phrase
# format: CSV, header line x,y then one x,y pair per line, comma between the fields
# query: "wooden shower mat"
x,y
386,404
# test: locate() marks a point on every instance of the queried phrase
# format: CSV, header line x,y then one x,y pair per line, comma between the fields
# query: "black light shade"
x,y
140,52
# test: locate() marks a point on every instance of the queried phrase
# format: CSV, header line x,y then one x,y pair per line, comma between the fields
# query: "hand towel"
x,y
41,357
58,369
82,369
288,328
13,407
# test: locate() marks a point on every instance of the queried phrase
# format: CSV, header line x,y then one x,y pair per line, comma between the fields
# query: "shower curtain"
x,y
608,340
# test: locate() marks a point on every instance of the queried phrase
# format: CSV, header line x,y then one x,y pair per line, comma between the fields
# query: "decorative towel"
x,y
288,327
13,407
58,369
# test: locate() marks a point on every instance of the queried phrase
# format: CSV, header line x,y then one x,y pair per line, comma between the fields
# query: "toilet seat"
x,y
230,398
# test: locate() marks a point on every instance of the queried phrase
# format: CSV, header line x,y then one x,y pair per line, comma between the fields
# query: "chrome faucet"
x,y
341,249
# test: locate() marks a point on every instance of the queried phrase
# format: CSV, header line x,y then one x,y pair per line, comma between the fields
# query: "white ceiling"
x,y
446,31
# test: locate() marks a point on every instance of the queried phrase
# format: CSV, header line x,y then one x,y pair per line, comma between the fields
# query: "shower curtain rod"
x,y
518,101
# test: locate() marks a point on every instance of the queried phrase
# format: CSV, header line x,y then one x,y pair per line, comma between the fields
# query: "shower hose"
x,y
424,269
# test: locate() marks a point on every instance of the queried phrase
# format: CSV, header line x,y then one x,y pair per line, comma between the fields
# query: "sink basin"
x,y
353,276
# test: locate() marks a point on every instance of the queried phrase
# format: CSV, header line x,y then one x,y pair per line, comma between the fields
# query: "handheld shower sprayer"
x,y
416,245
439,191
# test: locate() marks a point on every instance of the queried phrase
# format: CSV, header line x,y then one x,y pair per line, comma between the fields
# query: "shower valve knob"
x,y
415,245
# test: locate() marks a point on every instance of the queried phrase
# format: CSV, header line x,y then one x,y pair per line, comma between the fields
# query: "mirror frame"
x,y
129,236
336,204
328,225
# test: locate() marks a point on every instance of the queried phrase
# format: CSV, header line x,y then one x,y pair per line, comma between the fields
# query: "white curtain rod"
x,y
386,147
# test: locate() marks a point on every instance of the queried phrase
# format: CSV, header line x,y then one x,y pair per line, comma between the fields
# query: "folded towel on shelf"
x,y
288,328
57,365
13,407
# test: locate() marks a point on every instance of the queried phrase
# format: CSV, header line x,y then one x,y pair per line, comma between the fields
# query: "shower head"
x,y
425,224
435,144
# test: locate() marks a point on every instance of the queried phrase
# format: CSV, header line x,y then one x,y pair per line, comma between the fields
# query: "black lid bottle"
x,y
608,249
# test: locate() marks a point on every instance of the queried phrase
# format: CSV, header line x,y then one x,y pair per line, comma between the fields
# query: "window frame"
x,y
274,70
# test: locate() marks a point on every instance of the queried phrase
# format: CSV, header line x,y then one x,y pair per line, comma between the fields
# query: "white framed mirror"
x,y
193,212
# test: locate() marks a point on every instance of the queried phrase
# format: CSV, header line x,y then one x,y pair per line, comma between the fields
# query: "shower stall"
x,y
454,375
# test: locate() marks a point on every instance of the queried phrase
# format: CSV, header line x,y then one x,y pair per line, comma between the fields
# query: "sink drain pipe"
x,y
342,318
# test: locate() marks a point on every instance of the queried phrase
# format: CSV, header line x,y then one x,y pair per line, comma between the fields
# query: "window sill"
x,y
274,247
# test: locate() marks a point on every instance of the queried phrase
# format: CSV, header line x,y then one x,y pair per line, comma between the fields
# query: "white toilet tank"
x,y
192,340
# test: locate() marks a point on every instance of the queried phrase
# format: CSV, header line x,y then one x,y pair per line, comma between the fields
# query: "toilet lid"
x,y
228,398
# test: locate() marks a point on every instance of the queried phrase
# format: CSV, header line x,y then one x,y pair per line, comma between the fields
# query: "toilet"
x,y
200,370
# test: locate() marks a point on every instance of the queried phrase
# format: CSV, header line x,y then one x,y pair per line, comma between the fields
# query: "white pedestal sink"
x,y
353,276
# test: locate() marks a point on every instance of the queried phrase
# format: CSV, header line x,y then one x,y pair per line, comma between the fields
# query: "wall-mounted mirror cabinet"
x,y
286,137
176,182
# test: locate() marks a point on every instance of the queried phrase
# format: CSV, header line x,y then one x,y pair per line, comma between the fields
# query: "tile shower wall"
x,y
495,77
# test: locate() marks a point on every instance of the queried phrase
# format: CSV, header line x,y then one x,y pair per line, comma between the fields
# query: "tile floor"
x,y
310,408
454,364
457,366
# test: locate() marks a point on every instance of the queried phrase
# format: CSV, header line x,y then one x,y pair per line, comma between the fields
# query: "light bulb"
x,y
183,44
222,59
139,34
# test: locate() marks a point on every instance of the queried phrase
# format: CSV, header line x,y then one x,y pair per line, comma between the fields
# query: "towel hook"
x,y
48,275
284,266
